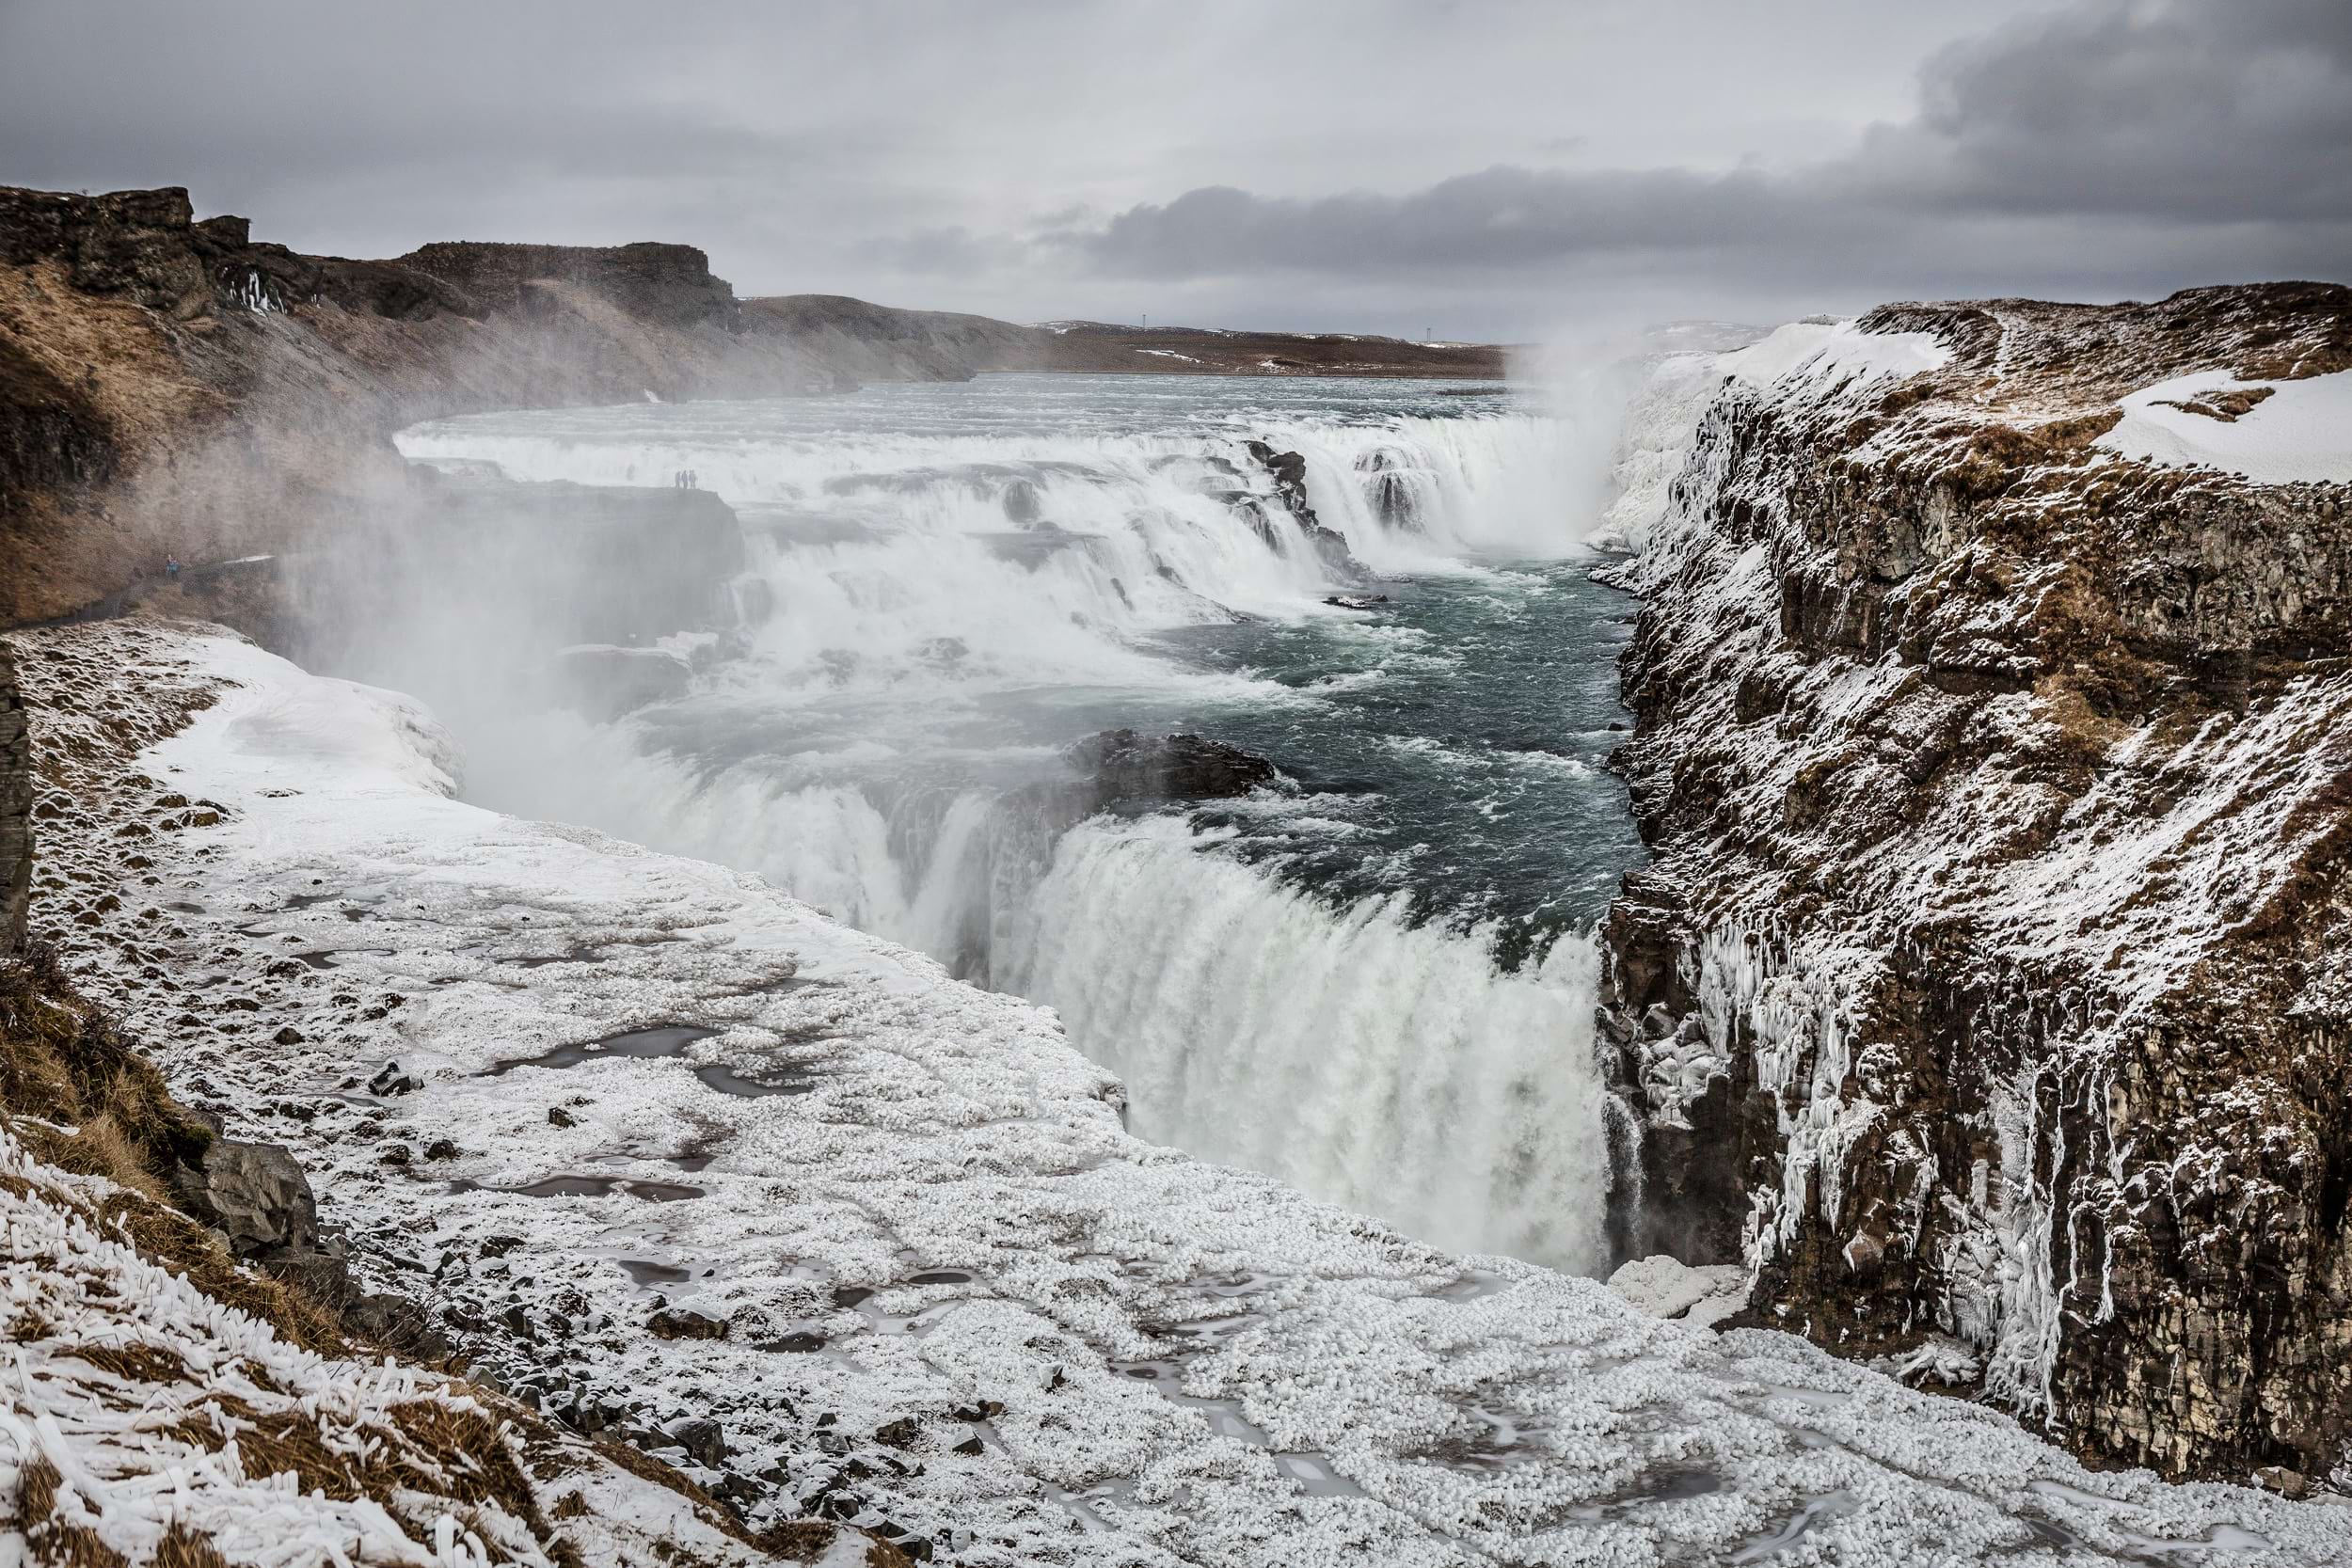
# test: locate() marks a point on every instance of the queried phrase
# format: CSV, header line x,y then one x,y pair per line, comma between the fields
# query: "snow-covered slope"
x,y
2271,432
145,1417
887,1232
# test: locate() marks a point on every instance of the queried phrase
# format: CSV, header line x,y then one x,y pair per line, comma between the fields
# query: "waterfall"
x,y
1386,1066
943,589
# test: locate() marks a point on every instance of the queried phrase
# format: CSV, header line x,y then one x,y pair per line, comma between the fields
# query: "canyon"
x,y
1982,994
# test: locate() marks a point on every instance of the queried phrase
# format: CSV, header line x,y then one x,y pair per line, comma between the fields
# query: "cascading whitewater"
x,y
1383,1066
944,589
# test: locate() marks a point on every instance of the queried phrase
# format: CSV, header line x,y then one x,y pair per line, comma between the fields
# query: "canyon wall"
x,y
1990,992
16,807
170,389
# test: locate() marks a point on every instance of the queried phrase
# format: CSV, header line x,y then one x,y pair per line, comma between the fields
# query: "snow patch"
x,y
2301,434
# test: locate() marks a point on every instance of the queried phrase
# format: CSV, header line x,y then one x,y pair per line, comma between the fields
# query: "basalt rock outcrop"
x,y
670,284
1288,469
1124,765
16,808
173,390
1992,976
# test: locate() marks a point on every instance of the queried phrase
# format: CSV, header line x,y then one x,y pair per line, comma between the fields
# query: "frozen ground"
x,y
2298,432
158,1413
920,1272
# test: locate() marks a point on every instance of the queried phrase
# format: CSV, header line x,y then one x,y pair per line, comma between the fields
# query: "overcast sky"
x,y
1499,168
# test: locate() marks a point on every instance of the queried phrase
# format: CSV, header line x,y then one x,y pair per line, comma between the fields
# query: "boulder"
x,y
704,1440
1126,766
253,1194
256,1195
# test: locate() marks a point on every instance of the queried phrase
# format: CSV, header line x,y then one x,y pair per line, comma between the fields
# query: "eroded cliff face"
x,y
170,388
16,807
1993,977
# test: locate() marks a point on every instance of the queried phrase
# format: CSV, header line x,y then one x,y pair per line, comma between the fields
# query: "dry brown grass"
x,y
49,1540
469,1450
63,1060
179,1243
182,1547
135,1362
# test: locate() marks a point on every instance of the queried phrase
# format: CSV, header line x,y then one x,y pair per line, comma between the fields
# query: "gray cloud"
x,y
1322,163
2225,111
2102,146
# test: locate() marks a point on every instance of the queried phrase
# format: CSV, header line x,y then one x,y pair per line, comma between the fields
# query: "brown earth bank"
x,y
172,389
1992,976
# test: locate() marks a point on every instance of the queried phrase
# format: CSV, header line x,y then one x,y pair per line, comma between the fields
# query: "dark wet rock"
x,y
558,1117
1389,488
16,807
391,1078
441,1148
704,1440
1288,470
1128,766
1355,601
1022,502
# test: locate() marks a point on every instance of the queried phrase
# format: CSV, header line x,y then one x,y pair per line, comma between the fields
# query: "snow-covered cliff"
x,y
1994,738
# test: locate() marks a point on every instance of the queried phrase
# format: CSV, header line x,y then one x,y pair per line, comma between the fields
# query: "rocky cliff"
x,y
171,389
1990,990
16,807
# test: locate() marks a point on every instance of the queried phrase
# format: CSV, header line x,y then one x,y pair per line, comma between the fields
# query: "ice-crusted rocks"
x,y
964,1309
16,807
1664,1287
1991,979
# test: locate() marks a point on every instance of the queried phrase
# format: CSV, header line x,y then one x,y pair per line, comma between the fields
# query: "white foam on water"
x,y
940,584
1382,1066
